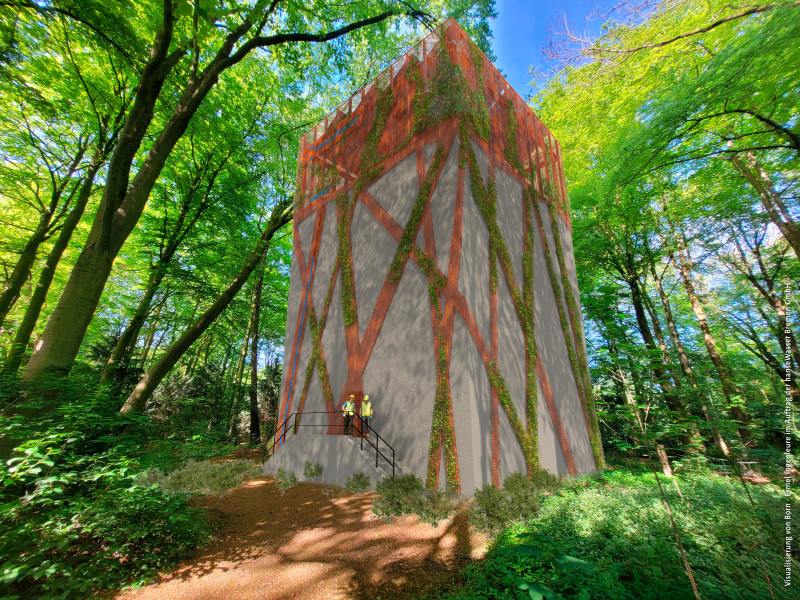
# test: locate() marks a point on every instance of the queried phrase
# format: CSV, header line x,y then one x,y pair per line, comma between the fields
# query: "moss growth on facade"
x,y
406,239
442,431
512,151
447,94
531,392
345,209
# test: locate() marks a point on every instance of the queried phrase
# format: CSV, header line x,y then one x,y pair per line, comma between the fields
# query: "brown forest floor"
x,y
314,542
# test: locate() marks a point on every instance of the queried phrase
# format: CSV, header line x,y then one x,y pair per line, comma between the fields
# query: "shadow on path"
x,y
306,544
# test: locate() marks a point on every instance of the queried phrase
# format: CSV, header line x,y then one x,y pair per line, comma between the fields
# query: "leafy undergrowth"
x,y
76,514
608,537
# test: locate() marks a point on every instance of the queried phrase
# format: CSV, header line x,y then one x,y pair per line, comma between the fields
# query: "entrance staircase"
x,y
304,437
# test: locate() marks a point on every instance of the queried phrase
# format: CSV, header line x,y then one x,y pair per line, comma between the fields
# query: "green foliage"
x,y
518,500
608,536
447,94
346,258
311,471
75,516
358,482
406,495
396,495
201,477
284,480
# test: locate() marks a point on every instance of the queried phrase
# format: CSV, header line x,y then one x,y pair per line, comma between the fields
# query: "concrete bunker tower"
x,y
433,270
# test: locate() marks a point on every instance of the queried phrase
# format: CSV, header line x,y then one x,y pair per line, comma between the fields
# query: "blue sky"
x,y
521,32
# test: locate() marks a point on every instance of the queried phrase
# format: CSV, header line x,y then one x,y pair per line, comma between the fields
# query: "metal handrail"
x,y
379,439
283,428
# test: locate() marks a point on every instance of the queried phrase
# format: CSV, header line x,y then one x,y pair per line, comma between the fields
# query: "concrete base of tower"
x,y
340,456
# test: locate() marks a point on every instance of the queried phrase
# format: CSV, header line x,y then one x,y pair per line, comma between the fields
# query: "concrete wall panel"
x,y
373,249
400,376
443,207
511,346
551,456
397,189
483,161
295,305
473,274
326,258
472,416
334,343
306,231
511,219
512,460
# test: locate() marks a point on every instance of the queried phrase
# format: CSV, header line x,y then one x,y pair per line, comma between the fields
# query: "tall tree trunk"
x,y
34,308
237,381
19,275
762,183
120,208
686,367
672,401
728,388
151,334
622,386
281,215
239,372
128,338
255,418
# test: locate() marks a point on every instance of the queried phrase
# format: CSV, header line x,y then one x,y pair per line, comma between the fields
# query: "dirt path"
x,y
309,545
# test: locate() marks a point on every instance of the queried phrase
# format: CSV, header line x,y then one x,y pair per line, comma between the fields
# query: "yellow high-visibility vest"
x,y
366,409
348,408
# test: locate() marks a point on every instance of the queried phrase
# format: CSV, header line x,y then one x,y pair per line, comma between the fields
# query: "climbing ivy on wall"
x,y
486,199
405,244
531,392
447,94
442,431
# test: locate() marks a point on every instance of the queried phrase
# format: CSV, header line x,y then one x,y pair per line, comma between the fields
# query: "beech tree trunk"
x,y
239,373
686,367
281,215
128,338
47,219
728,388
34,308
670,398
255,419
762,183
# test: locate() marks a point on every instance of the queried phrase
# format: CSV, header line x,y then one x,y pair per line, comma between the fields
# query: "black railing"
x,y
290,425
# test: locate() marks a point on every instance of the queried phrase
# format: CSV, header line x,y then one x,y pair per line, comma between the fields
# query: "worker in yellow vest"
x,y
366,414
348,410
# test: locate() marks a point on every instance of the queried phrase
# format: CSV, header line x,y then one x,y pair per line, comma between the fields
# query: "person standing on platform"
x,y
366,414
348,410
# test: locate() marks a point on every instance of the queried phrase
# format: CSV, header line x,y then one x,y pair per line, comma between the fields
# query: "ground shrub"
x,y
74,519
405,495
396,495
608,537
311,471
358,483
518,500
201,477
284,480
